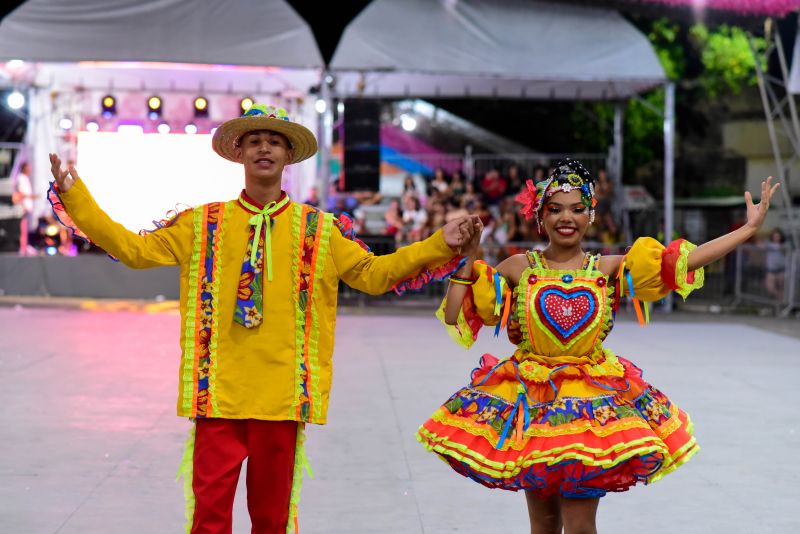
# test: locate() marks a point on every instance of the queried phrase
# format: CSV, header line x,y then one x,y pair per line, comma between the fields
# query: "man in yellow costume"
x,y
258,293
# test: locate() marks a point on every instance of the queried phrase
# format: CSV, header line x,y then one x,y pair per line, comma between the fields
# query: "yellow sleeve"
x,y
487,303
655,270
375,275
169,245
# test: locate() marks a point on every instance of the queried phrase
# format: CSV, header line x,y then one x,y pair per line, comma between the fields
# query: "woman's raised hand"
x,y
757,212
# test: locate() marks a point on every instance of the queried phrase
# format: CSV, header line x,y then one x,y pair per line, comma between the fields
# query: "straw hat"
x,y
261,117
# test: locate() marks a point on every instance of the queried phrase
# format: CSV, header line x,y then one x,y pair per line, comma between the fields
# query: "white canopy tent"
x,y
258,48
480,48
512,49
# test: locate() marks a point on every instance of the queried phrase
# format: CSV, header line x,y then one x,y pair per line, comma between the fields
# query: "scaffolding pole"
x,y
779,104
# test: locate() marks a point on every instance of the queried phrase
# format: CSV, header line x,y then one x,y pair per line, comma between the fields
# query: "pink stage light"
x,y
777,8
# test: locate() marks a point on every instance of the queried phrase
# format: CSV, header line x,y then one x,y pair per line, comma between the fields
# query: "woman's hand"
x,y
757,212
470,249
64,177
459,233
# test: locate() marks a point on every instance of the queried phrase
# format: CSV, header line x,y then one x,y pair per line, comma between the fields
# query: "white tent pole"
x,y
325,140
669,167
619,201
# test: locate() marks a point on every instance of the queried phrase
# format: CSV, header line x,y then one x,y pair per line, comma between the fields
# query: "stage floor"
x,y
91,443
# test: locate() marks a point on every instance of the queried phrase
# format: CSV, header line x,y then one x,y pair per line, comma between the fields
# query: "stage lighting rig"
x,y
15,100
201,107
108,105
154,107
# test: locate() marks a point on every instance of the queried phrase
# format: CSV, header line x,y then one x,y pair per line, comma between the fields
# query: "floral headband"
x,y
568,175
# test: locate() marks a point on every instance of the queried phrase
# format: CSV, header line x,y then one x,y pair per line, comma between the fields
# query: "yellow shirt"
x,y
272,371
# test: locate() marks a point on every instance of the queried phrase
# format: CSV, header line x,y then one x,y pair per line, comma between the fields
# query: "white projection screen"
x,y
137,178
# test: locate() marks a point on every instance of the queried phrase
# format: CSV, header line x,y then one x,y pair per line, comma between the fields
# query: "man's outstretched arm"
x,y
375,275
164,247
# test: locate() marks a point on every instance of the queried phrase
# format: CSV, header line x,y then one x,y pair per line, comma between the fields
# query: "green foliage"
x,y
664,36
705,63
728,62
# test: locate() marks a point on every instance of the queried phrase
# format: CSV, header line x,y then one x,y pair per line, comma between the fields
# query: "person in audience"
x,y
23,197
414,220
493,187
313,197
394,218
775,261
439,182
457,185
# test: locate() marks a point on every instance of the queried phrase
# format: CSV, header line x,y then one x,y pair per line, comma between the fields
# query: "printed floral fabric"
x,y
249,308
563,415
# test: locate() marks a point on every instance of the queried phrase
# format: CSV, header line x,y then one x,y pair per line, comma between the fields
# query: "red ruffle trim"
x,y
669,264
419,281
345,225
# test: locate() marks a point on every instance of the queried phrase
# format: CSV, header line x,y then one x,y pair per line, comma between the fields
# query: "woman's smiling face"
x,y
565,218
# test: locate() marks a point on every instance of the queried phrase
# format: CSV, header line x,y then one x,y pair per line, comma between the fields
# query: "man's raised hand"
x,y
64,177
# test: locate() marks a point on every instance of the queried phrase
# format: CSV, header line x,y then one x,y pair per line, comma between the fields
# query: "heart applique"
x,y
565,311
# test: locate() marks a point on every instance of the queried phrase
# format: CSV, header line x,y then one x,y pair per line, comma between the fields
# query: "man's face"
x,y
264,154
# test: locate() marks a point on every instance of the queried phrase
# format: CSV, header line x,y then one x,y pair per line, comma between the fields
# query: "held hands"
x,y
64,178
757,212
464,234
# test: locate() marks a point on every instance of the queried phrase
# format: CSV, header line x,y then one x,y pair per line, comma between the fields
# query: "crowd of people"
x,y
420,211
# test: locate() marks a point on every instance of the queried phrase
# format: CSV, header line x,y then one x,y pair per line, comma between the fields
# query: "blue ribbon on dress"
x,y
520,403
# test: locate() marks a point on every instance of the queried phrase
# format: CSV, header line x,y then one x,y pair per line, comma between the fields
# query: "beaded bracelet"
x,y
463,281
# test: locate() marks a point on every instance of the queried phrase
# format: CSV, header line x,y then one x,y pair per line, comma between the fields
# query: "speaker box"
x,y
362,145
9,235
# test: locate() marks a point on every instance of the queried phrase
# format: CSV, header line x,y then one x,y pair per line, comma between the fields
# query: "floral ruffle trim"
x,y
167,221
61,215
674,268
416,283
345,225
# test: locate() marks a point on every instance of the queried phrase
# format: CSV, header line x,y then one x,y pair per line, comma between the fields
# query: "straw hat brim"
x,y
304,144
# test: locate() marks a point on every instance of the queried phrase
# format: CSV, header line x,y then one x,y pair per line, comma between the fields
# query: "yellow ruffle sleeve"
x,y
651,270
487,303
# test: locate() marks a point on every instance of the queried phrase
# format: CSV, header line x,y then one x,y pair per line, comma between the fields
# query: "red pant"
x,y
220,447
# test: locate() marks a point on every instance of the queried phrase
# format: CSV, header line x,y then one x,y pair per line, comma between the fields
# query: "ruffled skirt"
x,y
571,429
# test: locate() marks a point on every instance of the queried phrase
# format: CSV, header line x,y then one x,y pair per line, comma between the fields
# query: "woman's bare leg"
x,y
544,514
579,515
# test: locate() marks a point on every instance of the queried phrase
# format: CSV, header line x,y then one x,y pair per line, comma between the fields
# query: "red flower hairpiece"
x,y
528,198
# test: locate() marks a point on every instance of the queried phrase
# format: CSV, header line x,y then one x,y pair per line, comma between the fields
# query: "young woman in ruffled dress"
x,y
564,418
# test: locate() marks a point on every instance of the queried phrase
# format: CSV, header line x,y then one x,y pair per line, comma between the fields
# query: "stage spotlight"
x,y
16,100
163,128
154,107
51,230
340,107
92,126
108,106
51,251
320,105
246,103
190,128
65,123
200,107
130,129
409,124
